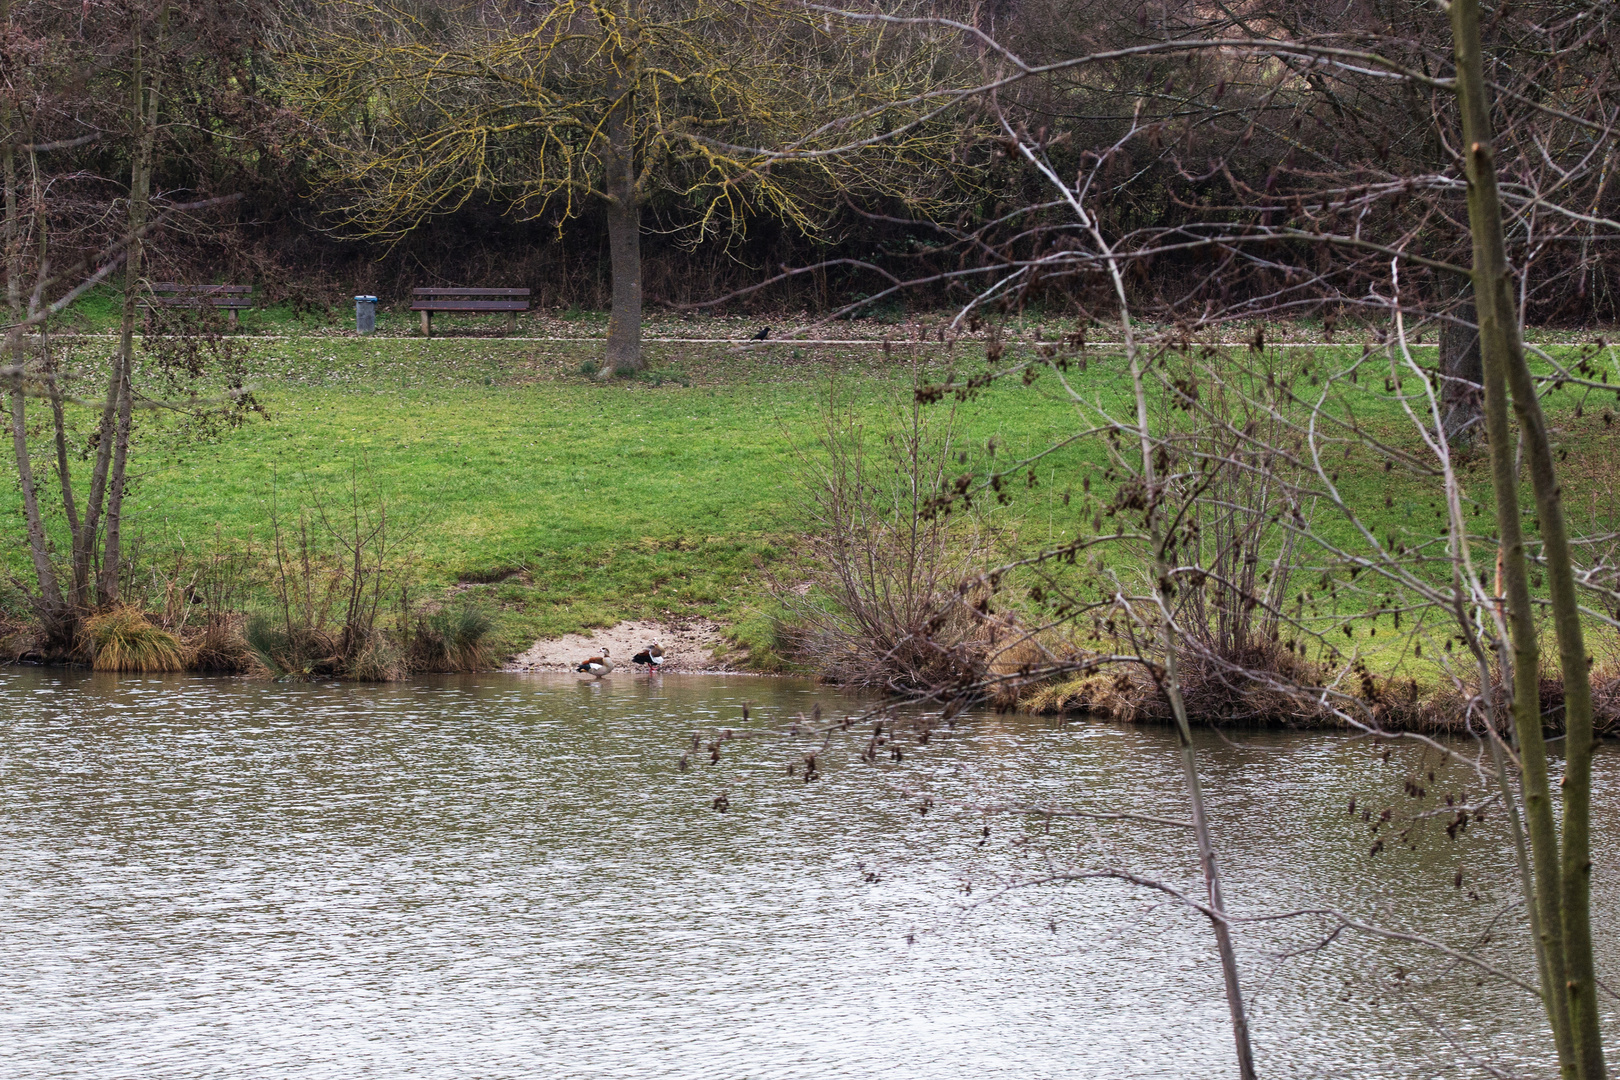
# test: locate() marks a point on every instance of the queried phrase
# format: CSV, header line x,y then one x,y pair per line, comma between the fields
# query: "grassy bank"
x,y
564,503
561,501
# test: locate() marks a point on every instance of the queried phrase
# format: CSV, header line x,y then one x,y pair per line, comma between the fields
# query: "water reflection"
x,y
506,875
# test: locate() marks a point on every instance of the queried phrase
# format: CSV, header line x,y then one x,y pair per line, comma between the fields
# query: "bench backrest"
x,y
200,290
455,294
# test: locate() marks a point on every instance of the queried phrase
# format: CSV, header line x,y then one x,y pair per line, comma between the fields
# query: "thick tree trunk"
x,y
624,322
1462,395
624,224
1563,878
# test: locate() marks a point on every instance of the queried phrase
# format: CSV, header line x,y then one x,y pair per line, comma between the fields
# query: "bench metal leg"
x,y
511,322
427,324
234,323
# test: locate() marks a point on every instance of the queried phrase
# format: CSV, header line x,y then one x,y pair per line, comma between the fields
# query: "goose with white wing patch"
x,y
597,665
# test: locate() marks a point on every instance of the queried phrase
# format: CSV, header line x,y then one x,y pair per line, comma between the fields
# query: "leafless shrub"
x,y
1457,708
331,570
1243,522
895,596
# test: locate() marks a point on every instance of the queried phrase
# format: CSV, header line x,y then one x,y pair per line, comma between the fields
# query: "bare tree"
x,y
623,106
1501,193
99,91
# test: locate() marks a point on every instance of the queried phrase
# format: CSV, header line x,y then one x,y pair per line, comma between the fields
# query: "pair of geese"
x,y
652,656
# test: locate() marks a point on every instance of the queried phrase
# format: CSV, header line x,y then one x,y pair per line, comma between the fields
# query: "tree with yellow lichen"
x,y
547,107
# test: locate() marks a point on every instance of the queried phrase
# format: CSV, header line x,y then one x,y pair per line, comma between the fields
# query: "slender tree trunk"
x,y
1178,706
50,592
84,550
53,387
13,224
140,200
623,222
64,474
112,555
1563,879
39,552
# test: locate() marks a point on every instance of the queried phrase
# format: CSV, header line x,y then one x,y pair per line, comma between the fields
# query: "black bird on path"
x,y
764,332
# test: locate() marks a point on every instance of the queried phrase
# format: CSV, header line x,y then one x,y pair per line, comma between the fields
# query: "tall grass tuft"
x,y
455,639
123,640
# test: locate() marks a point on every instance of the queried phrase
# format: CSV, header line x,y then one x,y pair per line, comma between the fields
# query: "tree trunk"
x,y
50,606
50,592
13,225
112,553
624,224
624,322
1171,684
1462,398
122,390
1562,878
70,506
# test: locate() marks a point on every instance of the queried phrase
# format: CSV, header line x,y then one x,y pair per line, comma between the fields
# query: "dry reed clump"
x,y
1264,684
1272,687
1449,708
1022,667
1102,695
931,646
305,652
1258,683
122,639
218,647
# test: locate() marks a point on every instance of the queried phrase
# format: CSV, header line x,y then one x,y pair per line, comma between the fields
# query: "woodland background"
x,y
244,121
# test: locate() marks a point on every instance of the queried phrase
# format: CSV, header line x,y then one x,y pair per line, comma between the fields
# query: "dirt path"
x,y
688,644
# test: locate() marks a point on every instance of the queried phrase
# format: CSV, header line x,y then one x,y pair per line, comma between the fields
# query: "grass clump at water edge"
x,y
124,640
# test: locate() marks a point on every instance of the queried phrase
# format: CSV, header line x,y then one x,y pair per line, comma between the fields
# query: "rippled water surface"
x,y
502,876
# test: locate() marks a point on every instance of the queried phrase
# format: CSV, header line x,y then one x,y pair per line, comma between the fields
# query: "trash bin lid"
x,y
372,299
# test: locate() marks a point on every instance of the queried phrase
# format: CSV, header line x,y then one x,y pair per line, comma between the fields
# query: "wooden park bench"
x,y
231,298
469,301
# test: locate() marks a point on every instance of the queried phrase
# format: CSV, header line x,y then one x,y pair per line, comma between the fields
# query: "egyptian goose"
x,y
652,656
597,665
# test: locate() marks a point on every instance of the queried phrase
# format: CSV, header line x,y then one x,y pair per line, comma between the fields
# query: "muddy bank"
x,y
690,645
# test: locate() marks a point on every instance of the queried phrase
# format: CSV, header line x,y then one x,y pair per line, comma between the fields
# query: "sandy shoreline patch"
x,y
688,644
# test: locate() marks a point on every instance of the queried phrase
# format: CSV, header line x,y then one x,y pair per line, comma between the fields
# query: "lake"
x,y
508,875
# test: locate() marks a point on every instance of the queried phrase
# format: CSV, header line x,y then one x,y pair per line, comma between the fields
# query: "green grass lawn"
x,y
569,503
566,502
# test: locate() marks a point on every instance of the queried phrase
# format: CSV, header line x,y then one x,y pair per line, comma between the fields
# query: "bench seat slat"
x,y
470,305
